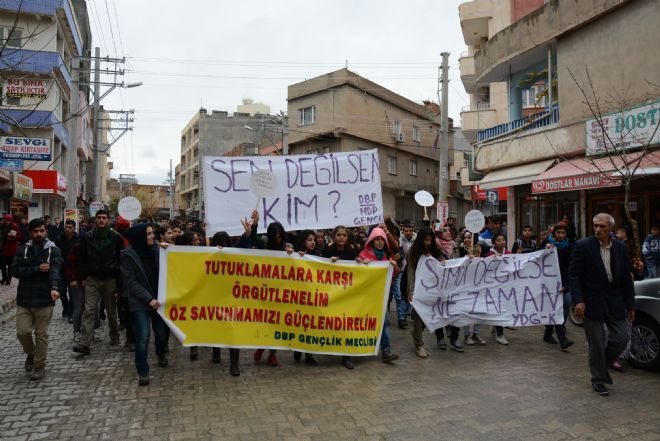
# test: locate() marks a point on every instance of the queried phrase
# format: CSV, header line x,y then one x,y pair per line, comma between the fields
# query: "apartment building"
x,y
526,67
213,133
39,135
342,111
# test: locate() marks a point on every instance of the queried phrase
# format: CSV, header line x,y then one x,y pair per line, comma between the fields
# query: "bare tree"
x,y
15,61
625,151
149,203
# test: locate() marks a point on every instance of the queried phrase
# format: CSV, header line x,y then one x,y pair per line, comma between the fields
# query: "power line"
x,y
121,43
100,28
245,77
284,63
112,33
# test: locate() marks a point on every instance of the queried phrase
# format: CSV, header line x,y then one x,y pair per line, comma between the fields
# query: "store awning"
x,y
587,173
518,175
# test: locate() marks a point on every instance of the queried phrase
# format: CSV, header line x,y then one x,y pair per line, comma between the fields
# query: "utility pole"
x,y
97,126
171,191
443,183
100,148
285,134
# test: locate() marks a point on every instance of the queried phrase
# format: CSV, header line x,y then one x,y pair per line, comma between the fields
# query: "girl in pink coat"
x,y
376,249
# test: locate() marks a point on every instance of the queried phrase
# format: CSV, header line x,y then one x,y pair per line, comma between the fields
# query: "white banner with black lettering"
x,y
312,191
510,290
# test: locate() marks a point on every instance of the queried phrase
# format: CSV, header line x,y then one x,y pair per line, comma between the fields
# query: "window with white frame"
x,y
533,97
307,115
417,134
413,167
391,165
396,127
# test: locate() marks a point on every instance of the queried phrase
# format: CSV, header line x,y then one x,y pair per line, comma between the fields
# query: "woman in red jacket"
x,y
377,249
10,236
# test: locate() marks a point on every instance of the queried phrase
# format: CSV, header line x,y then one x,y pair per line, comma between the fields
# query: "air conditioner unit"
x,y
399,137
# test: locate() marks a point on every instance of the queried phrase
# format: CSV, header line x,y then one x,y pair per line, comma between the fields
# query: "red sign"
x,y
47,182
480,195
581,182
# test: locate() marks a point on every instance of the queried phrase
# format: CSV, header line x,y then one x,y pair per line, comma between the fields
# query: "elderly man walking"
x,y
601,284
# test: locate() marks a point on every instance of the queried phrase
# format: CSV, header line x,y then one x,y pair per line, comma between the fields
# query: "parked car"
x,y
645,339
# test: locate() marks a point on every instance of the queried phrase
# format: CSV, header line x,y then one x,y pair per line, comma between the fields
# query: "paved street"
x,y
527,390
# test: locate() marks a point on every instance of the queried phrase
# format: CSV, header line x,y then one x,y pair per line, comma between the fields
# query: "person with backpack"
x,y
525,243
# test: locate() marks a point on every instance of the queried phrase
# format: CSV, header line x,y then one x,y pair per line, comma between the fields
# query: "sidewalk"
x,y
8,301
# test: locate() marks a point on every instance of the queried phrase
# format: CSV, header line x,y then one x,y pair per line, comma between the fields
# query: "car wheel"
x,y
645,344
573,318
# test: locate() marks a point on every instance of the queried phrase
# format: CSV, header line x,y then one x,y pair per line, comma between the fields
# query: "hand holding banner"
x,y
510,290
267,299
309,191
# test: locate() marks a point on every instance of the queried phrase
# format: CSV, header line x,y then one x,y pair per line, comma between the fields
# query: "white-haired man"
x,y
603,294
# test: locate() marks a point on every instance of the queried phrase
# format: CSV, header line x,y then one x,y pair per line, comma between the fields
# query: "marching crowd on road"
x,y
104,273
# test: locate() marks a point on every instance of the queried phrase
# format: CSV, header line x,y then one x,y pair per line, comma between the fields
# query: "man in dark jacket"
x,y
100,271
51,230
37,267
65,242
603,294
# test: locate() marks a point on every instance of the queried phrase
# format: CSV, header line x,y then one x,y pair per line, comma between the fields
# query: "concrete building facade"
x,y
560,54
207,134
252,108
342,111
44,100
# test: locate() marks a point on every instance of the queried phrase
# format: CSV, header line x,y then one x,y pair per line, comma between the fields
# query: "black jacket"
x,y
65,245
100,262
588,281
34,286
135,283
564,257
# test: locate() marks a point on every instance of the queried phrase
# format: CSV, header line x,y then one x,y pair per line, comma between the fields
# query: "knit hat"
x,y
122,224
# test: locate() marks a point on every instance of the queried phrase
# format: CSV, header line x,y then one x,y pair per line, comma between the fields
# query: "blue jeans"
x,y
395,291
385,335
141,321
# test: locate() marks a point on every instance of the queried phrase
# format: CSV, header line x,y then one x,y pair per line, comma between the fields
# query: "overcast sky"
x,y
215,53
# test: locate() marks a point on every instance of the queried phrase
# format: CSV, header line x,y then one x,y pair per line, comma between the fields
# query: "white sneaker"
x,y
76,337
502,340
469,341
421,352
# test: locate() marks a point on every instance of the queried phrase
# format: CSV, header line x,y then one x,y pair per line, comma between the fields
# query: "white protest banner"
x,y
311,191
510,290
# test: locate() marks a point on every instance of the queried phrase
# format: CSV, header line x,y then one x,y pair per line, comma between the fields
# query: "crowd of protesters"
x,y
101,273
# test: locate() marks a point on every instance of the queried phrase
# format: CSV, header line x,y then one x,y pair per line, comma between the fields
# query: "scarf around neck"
x,y
557,244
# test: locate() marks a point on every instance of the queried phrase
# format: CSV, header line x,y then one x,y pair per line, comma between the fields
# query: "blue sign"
x,y
26,156
18,147
492,197
15,165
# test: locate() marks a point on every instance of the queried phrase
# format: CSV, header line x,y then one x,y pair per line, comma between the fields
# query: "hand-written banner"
x,y
313,191
510,290
268,299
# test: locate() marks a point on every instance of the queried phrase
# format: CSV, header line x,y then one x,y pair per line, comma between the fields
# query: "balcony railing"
x,y
479,106
531,122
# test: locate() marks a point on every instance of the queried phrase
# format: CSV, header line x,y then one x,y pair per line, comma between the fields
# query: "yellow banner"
x,y
271,300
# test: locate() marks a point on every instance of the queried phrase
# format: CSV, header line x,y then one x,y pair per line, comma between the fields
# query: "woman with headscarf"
x,y
139,268
445,240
